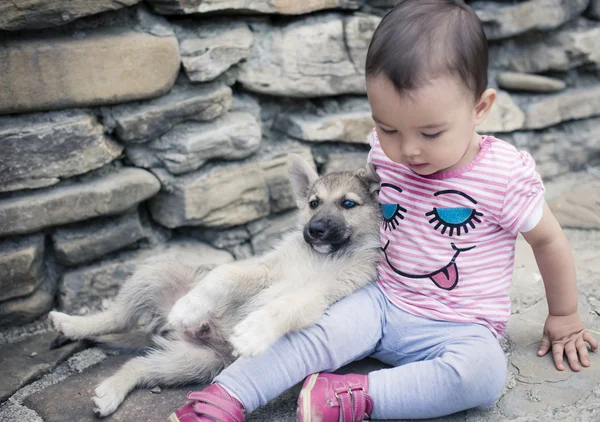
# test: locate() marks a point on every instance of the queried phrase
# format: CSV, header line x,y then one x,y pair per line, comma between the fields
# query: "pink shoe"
x,y
334,398
213,404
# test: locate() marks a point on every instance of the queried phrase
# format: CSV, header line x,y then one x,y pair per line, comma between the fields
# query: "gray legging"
x,y
439,367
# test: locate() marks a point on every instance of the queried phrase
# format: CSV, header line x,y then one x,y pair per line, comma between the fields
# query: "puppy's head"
x,y
337,209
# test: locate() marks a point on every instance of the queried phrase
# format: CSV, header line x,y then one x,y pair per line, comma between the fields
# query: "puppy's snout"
x,y
317,229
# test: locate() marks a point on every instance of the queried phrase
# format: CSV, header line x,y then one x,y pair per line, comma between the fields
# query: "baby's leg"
x,y
442,368
349,330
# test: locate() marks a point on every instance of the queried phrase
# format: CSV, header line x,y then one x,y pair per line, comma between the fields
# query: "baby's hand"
x,y
565,335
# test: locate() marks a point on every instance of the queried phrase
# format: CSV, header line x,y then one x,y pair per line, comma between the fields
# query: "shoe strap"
x,y
355,404
217,404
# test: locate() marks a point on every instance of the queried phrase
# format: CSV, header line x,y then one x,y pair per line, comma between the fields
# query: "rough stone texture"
x,y
314,56
58,205
505,116
91,240
579,207
557,150
27,14
254,190
345,162
352,126
85,288
284,7
144,121
210,48
507,20
21,266
189,145
561,50
569,105
39,149
594,10
27,360
89,66
525,82
268,232
27,308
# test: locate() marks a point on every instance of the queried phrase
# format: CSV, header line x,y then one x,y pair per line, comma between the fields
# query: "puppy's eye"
x,y
348,204
313,204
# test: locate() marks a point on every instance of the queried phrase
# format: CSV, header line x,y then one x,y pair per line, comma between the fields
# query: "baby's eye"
x,y
387,132
431,135
392,213
454,219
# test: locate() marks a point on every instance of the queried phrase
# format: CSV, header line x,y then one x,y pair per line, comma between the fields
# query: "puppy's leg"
x,y
236,280
79,327
179,363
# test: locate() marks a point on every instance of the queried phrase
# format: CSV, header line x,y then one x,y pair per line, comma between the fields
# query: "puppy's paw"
x,y
189,311
66,325
108,398
253,336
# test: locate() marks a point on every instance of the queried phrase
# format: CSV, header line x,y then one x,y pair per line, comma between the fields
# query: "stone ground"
x,y
37,384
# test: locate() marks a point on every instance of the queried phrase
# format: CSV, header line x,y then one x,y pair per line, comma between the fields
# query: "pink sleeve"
x,y
524,193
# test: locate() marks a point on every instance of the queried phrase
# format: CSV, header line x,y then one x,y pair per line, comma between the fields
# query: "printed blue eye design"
x,y
454,219
459,218
392,213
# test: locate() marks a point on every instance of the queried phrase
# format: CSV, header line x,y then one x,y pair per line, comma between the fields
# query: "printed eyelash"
x,y
394,215
438,221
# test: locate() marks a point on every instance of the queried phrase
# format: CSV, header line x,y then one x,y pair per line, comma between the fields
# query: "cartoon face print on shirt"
x,y
452,222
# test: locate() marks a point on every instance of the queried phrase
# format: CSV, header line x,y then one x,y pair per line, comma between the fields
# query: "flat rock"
x,y
345,162
111,194
141,122
21,265
254,190
573,104
507,20
514,81
352,126
21,310
99,64
188,146
85,287
39,149
562,50
569,146
505,116
28,360
284,7
85,242
210,48
527,287
579,207
315,56
27,14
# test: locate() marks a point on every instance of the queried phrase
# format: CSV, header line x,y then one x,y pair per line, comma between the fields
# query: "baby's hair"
x,y
422,39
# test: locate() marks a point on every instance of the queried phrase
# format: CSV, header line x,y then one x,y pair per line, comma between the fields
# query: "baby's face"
x,y
430,129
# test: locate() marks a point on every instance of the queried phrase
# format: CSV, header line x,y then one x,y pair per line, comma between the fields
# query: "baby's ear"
x,y
369,177
302,176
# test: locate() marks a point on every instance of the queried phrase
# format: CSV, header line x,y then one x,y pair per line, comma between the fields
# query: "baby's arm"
x,y
563,331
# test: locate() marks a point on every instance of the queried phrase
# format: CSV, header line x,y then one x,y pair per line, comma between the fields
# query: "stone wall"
x,y
134,129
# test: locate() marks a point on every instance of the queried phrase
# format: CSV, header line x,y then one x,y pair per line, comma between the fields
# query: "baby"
x,y
453,203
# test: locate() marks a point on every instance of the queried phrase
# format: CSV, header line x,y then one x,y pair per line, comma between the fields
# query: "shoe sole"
x,y
305,397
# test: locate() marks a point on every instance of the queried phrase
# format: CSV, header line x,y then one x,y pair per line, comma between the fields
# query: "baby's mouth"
x,y
445,278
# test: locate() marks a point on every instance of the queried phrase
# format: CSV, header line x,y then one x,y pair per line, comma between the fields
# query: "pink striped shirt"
x,y
448,239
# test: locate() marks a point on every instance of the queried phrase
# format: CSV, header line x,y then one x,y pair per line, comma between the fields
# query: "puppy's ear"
x,y
302,176
369,177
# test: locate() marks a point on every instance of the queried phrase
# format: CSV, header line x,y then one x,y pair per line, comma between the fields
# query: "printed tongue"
x,y
447,277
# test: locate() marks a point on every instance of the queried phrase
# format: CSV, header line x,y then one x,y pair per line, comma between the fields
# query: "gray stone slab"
x,y
111,194
28,360
345,161
285,7
40,149
91,240
21,265
27,14
137,123
527,82
579,207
